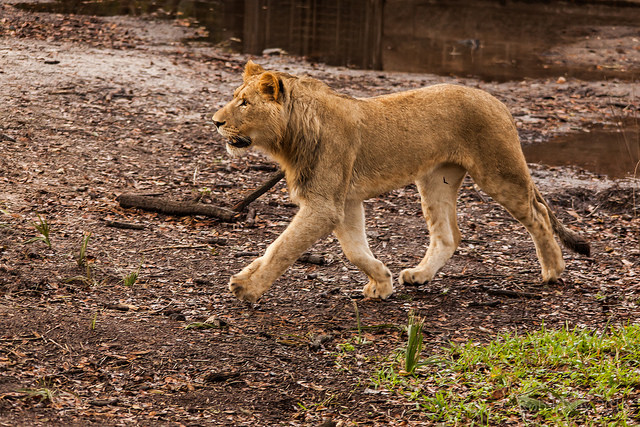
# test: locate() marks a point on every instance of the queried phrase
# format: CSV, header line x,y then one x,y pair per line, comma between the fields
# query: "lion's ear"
x,y
270,86
251,69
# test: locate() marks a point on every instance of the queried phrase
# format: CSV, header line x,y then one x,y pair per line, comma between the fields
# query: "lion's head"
x,y
254,117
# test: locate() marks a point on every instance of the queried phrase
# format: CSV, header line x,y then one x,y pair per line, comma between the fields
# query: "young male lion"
x,y
337,151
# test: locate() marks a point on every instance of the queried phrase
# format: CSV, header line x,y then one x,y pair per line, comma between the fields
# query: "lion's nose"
x,y
218,124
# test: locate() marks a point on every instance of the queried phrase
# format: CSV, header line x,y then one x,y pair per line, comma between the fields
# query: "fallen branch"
x,y
170,207
259,191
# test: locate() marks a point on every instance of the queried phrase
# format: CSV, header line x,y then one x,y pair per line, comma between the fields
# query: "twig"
x,y
65,349
21,339
162,248
239,207
245,253
379,327
125,225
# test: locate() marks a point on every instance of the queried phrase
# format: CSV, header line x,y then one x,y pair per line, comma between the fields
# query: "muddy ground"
x,y
92,108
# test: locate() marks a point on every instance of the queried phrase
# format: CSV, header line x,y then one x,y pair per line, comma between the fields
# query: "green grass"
x,y
130,279
43,227
549,377
201,325
43,394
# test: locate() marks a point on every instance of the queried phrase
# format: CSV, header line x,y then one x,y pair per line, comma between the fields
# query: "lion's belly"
x,y
376,182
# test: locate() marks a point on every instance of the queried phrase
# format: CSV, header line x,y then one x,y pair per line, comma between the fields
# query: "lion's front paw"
x,y
414,277
378,290
243,288
246,284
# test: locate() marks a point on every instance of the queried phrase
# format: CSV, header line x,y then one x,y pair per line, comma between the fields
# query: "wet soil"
x,y
95,107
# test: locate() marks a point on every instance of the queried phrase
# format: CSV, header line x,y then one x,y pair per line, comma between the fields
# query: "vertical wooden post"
x,y
375,27
250,26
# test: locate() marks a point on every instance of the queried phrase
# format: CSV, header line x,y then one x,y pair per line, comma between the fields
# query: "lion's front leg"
x,y
353,239
246,285
306,228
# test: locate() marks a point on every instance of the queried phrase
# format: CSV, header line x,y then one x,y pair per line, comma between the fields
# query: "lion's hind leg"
x,y
353,239
517,194
439,191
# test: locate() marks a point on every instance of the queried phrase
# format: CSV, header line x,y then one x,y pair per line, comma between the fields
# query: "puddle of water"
x,y
491,39
611,152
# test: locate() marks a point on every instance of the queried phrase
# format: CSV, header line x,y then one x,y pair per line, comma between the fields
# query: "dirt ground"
x,y
92,108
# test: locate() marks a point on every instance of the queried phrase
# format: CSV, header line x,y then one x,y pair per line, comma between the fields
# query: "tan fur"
x,y
337,151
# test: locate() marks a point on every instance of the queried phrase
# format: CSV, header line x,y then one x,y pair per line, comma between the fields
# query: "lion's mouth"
x,y
239,141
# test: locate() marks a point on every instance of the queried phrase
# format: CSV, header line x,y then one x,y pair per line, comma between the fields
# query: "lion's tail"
x,y
569,239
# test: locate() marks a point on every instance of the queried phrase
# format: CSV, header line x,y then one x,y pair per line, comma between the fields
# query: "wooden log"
x,y
170,207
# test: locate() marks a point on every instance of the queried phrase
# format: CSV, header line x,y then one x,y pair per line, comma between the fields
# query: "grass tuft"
x,y
131,278
42,226
548,377
414,343
43,394
82,255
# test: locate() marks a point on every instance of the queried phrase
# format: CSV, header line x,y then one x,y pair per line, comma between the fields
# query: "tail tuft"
x,y
574,242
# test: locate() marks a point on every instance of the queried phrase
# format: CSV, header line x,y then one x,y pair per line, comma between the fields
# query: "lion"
x,y
337,151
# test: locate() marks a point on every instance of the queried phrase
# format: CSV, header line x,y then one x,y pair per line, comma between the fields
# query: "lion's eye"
x,y
243,102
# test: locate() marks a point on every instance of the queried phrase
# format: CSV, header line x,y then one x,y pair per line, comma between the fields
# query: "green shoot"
x,y
43,228
82,256
92,325
131,278
360,339
414,344
87,279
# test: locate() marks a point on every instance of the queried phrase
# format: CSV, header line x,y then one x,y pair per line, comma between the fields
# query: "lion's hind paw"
x,y
377,290
413,277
